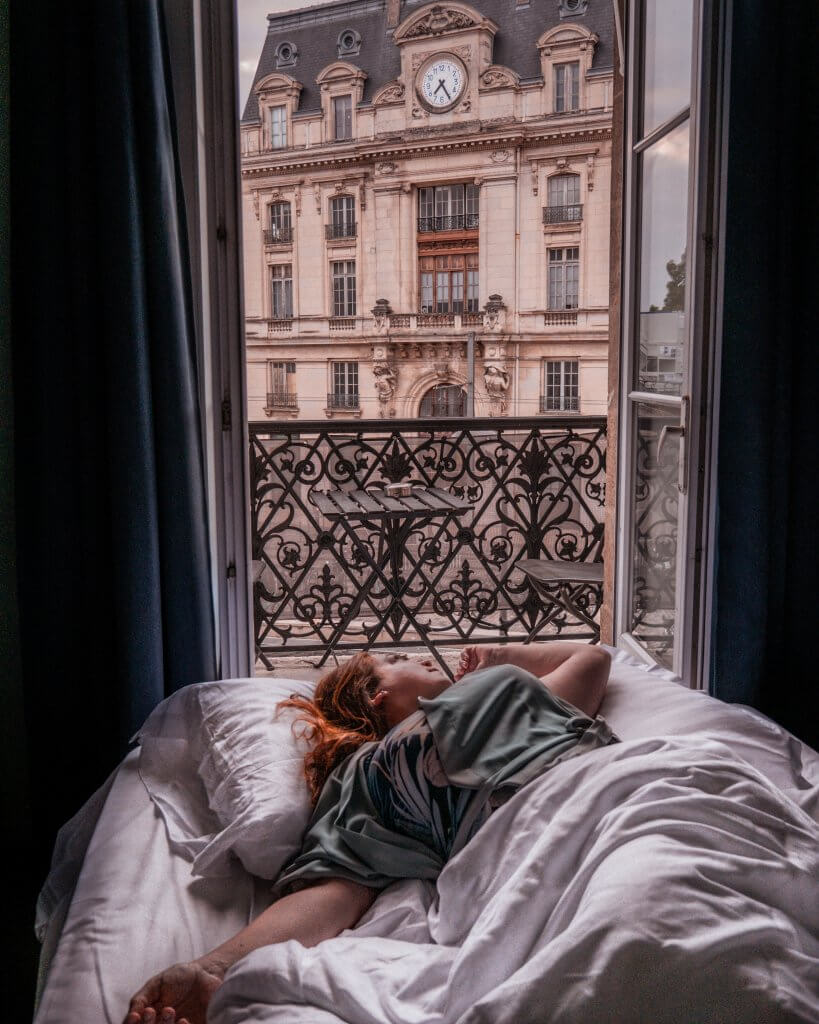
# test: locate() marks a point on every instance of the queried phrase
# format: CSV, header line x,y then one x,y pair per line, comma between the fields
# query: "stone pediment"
x,y
567,37
441,19
340,70
279,83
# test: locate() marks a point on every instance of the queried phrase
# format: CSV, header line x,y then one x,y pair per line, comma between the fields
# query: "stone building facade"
x,y
413,174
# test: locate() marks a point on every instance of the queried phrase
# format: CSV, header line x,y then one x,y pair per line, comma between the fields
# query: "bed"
x,y
671,877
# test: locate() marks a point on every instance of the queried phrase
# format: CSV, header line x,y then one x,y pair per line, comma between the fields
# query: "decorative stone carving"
x,y
496,382
381,314
494,314
498,77
500,156
256,202
297,200
385,381
439,19
392,92
317,197
386,167
590,172
533,169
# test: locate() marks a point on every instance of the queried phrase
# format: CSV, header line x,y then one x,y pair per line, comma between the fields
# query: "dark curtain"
x,y
766,625
111,557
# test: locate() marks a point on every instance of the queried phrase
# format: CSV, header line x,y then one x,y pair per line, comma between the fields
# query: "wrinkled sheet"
x,y
661,879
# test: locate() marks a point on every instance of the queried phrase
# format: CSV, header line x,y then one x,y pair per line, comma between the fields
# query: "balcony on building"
x,y
337,400
277,401
550,405
571,214
453,222
536,486
278,235
341,230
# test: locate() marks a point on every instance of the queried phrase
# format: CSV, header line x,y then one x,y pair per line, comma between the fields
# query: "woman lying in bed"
x,y
404,769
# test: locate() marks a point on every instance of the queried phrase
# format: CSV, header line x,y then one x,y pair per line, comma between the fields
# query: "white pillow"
x,y
227,775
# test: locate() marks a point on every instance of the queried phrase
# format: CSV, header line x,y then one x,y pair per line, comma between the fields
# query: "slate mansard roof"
x,y
315,32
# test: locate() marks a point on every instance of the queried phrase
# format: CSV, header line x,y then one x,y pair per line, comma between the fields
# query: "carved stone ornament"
x,y
496,382
297,198
392,92
317,197
494,314
386,167
500,156
381,314
498,77
534,172
385,377
256,202
590,172
439,19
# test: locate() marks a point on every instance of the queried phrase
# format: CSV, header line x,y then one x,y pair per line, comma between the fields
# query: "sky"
x,y
252,15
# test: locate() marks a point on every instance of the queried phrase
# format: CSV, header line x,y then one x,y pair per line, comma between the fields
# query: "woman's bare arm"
x,y
308,916
576,672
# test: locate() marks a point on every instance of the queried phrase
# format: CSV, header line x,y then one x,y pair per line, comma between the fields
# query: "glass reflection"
x,y
654,514
663,358
668,26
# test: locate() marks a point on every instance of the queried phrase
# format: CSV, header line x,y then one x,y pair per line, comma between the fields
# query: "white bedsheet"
x,y
613,887
658,880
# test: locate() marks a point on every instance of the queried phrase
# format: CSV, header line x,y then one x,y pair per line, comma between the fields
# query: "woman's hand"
x,y
177,995
483,656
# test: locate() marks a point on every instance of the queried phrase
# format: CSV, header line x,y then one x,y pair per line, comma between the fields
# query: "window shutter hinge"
x,y
226,415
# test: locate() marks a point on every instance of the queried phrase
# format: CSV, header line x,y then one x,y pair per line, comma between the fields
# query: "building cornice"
x,y
525,137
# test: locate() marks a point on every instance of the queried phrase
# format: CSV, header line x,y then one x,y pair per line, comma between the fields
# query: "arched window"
x,y
443,400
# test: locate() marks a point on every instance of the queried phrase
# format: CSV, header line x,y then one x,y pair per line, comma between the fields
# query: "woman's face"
x,y
404,681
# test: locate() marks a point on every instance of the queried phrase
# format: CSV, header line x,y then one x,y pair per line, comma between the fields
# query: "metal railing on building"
x,y
337,400
455,222
343,229
563,214
278,236
538,490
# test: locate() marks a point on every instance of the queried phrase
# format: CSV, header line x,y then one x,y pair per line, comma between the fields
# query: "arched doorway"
x,y
443,400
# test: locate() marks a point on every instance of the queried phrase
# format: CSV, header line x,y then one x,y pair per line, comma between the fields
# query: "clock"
x,y
441,82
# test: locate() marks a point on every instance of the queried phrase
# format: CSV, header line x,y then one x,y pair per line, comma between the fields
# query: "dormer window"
x,y
278,127
287,55
566,55
342,117
278,96
342,89
567,87
349,43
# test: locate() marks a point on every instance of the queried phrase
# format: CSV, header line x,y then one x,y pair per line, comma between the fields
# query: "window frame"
x,y
346,134
285,282
560,73
345,295
429,281
563,264
566,402
272,110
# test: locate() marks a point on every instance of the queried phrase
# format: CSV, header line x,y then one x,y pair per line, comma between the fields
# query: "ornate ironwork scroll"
x,y
538,489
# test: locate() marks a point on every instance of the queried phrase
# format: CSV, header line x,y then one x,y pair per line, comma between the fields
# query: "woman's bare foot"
x,y
476,657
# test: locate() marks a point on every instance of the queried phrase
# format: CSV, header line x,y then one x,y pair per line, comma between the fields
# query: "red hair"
x,y
340,717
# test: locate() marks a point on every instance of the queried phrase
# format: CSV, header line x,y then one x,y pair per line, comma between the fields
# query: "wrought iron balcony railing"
x,y
568,403
345,229
278,236
456,222
563,214
338,401
538,491
281,400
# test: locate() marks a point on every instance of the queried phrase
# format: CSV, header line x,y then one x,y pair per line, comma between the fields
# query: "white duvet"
x,y
658,880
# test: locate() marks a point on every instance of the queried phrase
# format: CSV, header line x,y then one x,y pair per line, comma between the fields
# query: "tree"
x,y
675,287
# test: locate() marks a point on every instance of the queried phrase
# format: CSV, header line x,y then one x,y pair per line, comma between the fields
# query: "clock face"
x,y
442,83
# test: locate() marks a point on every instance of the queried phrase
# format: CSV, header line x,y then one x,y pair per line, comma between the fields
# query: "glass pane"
x,y
654,512
662,263
667,73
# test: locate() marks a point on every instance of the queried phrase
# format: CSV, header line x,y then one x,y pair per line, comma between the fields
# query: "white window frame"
x,y
346,126
277,129
281,297
560,268
347,300
567,94
567,372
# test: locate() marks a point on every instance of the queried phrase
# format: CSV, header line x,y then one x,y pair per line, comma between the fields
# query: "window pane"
x,y
426,293
654,515
575,79
662,257
667,74
556,287
560,88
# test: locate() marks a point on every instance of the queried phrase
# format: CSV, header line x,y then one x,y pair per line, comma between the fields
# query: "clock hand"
x,y
442,86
